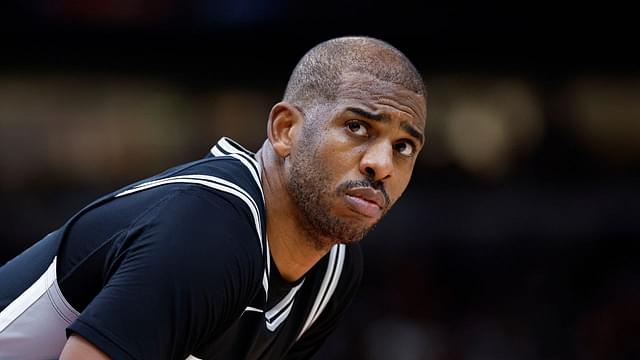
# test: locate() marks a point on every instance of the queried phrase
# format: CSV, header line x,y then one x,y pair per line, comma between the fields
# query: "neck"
x,y
293,249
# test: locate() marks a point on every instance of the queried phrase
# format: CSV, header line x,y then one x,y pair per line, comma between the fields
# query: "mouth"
x,y
366,201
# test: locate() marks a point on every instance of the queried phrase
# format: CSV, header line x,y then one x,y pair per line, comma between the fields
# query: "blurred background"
x,y
517,238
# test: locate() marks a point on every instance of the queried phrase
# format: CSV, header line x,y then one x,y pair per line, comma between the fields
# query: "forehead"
x,y
383,96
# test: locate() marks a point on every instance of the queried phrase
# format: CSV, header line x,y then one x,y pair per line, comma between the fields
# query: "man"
x,y
238,255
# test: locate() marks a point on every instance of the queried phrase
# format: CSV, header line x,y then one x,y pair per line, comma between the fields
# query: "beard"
x,y
309,184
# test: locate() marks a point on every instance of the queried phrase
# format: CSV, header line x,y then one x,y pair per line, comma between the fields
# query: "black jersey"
x,y
173,267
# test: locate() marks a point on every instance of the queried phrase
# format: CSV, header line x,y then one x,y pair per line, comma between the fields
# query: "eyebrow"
x,y
385,119
369,115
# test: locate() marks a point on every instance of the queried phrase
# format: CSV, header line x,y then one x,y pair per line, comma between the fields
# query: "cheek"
x,y
340,154
336,165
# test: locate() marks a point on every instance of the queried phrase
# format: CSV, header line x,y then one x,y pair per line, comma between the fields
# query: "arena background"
x,y
517,238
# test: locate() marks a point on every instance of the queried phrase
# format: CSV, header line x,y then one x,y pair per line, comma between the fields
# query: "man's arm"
x,y
78,348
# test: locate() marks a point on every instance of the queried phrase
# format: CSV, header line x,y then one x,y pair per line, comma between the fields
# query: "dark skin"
x,y
78,347
374,130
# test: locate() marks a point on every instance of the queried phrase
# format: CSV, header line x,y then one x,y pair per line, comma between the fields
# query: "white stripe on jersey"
x,y
334,282
38,317
216,152
272,326
28,297
328,286
276,316
247,158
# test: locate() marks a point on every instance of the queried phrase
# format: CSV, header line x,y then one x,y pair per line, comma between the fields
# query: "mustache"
x,y
377,185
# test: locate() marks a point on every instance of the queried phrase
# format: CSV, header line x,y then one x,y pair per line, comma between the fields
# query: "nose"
x,y
377,161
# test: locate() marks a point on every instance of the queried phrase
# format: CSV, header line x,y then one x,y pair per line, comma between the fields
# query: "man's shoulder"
x,y
200,237
223,172
197,214
227,163
209,190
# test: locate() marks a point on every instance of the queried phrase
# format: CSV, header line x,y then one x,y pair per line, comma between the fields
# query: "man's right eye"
x,y
357,128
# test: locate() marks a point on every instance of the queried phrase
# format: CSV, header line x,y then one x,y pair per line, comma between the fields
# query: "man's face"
x,y
354,157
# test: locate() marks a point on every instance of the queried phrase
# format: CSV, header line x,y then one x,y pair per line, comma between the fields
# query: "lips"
x,y
366,201
368,194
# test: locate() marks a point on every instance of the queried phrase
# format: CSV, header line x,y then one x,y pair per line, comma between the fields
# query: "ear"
x,y
284,122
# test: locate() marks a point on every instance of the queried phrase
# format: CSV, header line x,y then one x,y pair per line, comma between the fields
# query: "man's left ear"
x,y
285,120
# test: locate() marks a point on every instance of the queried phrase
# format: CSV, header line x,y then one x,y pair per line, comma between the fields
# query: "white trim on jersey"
x,y
247,158
328,286
272,326
200,177
334,281
251,308
28,297
238,152
37,317
265,282
276,315
216,152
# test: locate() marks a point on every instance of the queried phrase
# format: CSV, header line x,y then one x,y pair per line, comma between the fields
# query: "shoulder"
x,y
221,174
206,217
233,180
201,223
193,236
216,194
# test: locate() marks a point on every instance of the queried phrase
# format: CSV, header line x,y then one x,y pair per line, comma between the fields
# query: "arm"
x,y
78,348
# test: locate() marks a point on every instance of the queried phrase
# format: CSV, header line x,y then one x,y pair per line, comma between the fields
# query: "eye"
x,y
405,148
357,128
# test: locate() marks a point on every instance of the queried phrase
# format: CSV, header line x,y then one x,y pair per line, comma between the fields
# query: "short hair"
x,y
318,75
